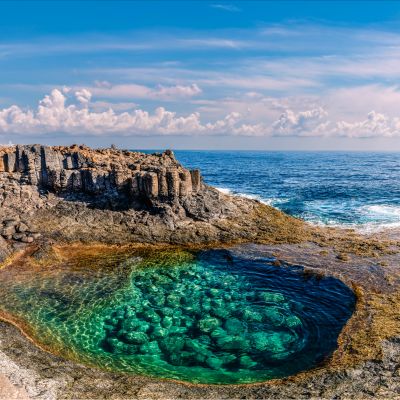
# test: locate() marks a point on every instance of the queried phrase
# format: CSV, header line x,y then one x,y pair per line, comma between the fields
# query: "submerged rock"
x,y
197,323
208,324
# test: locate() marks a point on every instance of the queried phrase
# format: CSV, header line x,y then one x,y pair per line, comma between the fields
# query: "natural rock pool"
x,y
208,317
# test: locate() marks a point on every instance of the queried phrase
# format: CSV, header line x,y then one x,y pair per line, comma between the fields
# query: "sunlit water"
x,y
212,317
351,189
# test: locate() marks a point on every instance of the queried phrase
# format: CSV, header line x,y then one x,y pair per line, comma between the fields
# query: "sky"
x,y
260,75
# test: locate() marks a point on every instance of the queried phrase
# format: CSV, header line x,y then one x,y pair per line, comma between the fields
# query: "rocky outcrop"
x,y
77,193
129,177
34,177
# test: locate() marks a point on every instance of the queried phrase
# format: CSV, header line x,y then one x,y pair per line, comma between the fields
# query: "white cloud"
x,y
310,122
119,106
73,113
353,102
213,43
54,115
375,125
105,89
83,96
143,41
315,122
178,91
226,7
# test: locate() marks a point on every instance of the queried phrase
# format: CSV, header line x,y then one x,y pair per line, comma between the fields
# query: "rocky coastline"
x,y
55,197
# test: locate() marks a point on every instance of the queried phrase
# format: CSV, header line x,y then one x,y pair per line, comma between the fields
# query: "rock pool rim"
x,y
328,363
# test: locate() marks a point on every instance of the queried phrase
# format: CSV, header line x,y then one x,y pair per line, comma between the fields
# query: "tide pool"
x,y
203,317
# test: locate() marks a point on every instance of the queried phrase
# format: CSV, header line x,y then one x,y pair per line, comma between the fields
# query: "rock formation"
x,y
35,177
77,193
109,173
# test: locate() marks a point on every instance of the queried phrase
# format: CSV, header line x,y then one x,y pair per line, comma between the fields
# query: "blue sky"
x,y
201,74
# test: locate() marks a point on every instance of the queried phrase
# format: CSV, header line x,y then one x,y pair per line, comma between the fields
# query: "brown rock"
x,y
18,236
10,162
162,183
185,184
134,185
150,184
11,222
34,174
22,227
8,230
196,179
27,239
173,183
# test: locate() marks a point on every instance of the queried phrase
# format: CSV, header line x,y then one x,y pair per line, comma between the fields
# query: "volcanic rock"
x,y
119,196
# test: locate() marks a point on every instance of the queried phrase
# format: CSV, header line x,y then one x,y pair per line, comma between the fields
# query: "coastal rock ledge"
x,y
120,196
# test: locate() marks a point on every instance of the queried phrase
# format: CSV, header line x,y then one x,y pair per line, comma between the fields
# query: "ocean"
x,y
351,189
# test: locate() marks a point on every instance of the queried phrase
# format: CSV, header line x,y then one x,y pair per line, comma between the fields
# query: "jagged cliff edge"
x,y
126,175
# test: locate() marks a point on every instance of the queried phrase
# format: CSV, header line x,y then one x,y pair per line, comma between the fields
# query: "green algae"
x,y
203,318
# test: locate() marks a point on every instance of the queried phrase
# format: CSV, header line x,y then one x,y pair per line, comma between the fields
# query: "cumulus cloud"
x,y
118,106
375,125
310,122
83,96
315,122
53,114
73,113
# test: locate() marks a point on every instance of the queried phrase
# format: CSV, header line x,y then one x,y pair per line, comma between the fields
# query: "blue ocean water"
x,y
353,189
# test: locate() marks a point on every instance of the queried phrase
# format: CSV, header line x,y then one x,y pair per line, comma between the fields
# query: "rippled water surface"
x,y
333,188
210,317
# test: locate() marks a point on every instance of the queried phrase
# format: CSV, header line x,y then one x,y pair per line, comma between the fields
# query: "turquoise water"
x,y
210,317
351,189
